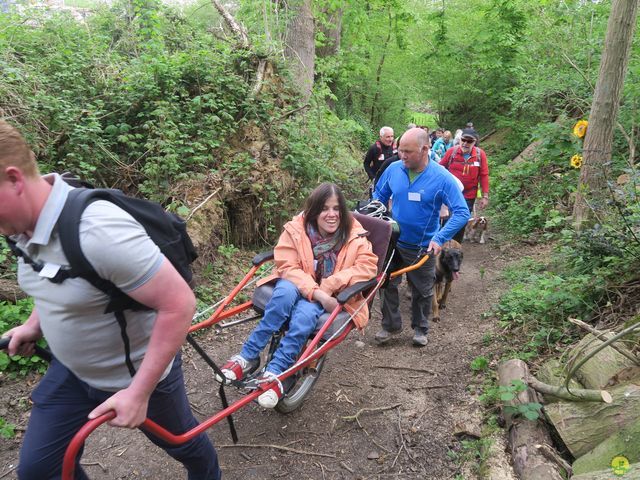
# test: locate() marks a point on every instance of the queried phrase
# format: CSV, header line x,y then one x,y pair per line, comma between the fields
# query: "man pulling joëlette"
x,y
88,375
418,188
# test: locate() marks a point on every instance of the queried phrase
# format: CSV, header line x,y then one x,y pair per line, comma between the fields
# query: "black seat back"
x,y
379,235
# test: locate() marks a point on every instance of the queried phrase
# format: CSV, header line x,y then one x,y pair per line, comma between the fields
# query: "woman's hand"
x,y
328,302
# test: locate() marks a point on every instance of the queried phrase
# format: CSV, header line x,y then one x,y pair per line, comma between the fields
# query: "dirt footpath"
x,y
420,404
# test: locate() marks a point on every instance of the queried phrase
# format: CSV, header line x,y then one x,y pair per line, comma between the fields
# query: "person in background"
x,y
432,157
419,188
457,137
321,252
379,151
442,144
468,163
89,373
435,135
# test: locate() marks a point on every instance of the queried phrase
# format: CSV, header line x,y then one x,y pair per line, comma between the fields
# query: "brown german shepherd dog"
x,y
448,264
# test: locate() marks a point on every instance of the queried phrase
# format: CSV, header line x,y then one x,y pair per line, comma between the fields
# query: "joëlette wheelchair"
x,y
297,381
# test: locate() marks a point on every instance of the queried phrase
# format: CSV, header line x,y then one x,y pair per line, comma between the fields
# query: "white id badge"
x,y
381,157
49,270
476,164
414,197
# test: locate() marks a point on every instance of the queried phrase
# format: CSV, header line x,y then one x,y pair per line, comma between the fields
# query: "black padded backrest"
x,y
379,235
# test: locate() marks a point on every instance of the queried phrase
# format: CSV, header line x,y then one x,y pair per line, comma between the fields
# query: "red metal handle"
x,y
69,462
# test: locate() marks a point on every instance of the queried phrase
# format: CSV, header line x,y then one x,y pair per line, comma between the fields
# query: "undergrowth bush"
x,y
12,315
535,194
540,301
139,98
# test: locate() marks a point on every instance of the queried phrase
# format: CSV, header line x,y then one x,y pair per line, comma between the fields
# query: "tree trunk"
x,y
300,46
573,395
625,442
374,103
238,29
607,474
552,372
529,462
604,109
603,368
332,30
582,426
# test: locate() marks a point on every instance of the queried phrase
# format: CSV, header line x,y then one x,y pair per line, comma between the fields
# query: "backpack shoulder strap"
x,y
453,155
379,145
69,233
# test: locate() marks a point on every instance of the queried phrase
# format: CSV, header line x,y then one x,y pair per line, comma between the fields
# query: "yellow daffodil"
x,y
580,128
576,161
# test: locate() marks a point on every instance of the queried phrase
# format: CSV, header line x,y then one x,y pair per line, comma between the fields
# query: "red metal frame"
x,y
221,313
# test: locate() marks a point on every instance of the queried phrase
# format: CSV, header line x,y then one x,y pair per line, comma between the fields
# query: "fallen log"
x,y
583,425
525,436
573,395
552,372
603,336
630,473
625,442
602,369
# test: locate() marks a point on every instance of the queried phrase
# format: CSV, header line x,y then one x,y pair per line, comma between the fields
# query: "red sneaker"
x,y
271,397
237,367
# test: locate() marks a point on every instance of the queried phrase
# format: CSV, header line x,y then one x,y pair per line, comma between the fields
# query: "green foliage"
x,y
534,195
472,453
499,395
12,315
479,364
531,411
7,430
539,302
228,251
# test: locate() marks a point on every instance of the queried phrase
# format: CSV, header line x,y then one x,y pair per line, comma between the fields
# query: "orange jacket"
x,y
356,262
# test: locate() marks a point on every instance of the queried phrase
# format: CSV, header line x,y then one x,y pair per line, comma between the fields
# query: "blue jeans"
x,y
62,402
286,304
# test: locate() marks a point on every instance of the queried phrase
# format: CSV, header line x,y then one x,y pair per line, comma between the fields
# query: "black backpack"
x,y
167,230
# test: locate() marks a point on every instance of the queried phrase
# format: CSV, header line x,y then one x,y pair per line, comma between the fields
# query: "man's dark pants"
x,y
458,237
421,282
61,405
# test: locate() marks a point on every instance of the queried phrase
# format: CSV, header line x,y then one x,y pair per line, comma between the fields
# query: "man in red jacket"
x,y
468,163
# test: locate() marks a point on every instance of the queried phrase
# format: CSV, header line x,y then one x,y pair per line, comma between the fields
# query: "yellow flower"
x,y
580,128
576,161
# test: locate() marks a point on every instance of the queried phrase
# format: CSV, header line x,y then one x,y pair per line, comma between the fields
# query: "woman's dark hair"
x,y
315,205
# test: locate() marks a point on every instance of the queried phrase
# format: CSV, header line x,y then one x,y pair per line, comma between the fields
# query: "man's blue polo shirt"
x,y
416,205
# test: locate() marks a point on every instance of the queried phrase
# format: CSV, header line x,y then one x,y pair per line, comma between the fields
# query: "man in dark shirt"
x,y
381,150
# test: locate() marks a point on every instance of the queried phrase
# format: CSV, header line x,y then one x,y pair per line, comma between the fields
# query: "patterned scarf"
x,y
325,252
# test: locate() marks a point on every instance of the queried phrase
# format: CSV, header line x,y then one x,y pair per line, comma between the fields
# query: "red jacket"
x,y
470,172
356,262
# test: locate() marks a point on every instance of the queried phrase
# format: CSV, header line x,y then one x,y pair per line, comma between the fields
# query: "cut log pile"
x,y
596,414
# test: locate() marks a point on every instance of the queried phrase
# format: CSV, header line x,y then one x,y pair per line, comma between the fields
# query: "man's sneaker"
x,y
383,336
271,397
420,339
237,367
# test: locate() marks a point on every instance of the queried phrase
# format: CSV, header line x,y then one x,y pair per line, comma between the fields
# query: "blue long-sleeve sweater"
x,y
416,205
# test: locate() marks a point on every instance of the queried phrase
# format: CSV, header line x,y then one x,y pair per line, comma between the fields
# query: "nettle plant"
x,y
530,411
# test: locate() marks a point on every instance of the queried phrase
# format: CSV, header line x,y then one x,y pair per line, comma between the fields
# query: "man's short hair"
x,y
14,151
384,129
